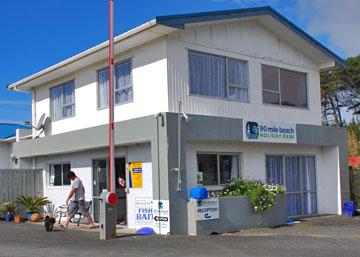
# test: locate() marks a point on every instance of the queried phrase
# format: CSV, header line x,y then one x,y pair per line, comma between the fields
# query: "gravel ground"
x,y
325,236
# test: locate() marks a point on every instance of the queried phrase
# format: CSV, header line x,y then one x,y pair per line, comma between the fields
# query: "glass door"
x,y
298,175
99,183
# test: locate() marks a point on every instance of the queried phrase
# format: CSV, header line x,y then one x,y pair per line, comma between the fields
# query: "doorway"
x,y
298,175
100,183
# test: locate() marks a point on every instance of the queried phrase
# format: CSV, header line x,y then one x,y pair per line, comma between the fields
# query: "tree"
x,y
340,88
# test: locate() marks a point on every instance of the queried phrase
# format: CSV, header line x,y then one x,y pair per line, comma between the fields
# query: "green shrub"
x,y
32,204
8,207
262,196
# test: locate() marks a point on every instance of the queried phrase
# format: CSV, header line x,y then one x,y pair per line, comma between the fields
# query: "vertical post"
x,y
179,148
111,175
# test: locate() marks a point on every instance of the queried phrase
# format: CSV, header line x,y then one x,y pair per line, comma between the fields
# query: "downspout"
x,y
33,107
33,110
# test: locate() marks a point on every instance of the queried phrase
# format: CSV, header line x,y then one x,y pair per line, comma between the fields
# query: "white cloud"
x,y
339,20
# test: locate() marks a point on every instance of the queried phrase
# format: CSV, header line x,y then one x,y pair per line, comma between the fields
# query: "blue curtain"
x,y
56,103
293,185
237,78
123,83
309,184
207,75
274,170
103,88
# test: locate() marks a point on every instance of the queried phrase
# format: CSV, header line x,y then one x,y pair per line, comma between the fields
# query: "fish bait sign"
x,y
207,209
269,132
144,211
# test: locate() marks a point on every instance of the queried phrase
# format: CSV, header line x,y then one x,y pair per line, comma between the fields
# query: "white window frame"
x,y
219,186
62,171
115,89
227,83
279,88
62,101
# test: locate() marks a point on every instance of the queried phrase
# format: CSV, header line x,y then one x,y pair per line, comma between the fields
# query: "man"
x,y
78,202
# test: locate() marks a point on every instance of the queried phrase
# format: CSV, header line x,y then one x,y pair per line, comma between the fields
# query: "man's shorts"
x,y
77,206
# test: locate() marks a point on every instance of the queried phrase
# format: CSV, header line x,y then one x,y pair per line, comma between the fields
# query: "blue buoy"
x,y
199,193
145,231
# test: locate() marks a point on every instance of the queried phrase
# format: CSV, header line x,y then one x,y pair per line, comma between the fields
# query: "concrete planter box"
x,y
236,213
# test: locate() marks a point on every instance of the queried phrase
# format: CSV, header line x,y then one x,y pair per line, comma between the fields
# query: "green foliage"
x,y
32,204
262,196
340,88
353,139
8,207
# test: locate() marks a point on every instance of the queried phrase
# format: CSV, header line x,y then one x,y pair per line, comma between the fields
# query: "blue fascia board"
x,y
179,21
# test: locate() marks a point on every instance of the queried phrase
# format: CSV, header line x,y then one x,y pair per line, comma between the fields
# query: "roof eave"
x,y
17,85
179,21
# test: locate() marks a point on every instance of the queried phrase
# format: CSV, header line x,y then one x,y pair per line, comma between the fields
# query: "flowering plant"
x,y
262,196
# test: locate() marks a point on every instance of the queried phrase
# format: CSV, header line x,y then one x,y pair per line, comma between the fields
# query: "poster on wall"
x,y
161,217
144,211
135,175
269,132
207,209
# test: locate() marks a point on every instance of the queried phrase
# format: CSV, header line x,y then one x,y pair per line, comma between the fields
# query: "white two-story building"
x,y
249,85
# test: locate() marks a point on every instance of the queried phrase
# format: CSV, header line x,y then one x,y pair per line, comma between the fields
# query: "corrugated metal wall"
x,y
15,182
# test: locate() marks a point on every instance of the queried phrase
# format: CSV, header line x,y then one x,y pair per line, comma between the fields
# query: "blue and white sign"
x,y
207,209
269,132
144,211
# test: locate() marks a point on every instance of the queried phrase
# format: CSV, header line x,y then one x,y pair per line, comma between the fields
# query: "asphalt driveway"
x,y
325,236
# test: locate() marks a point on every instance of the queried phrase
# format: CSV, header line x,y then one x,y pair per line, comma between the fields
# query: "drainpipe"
x,y
33,110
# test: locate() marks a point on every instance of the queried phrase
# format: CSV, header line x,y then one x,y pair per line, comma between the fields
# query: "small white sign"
x,y
161,216
269,132
207,209
144,212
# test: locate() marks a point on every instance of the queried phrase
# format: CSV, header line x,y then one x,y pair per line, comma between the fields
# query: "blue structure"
x,y
199,193
8,130
349,208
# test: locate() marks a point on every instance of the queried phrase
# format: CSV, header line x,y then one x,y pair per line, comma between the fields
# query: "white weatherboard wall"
x,y
149,76
81,164
252,165
245,40
5,151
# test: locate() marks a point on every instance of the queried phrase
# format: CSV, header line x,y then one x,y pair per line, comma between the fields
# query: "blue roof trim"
x,y
8,130
179,21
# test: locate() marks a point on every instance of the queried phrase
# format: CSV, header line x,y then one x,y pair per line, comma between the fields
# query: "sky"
x,y
39,33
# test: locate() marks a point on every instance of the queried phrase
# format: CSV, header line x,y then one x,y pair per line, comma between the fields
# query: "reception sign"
x,y
269,132
207,209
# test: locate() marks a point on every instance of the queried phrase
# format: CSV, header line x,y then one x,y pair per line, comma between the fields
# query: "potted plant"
x,y
32,204
8,208
18,219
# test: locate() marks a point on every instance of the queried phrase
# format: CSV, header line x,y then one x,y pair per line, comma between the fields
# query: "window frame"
x,y
115,90
219,186
62,174
62,101
227,83
279,88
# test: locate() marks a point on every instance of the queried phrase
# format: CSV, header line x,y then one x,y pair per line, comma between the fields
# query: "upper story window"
x,y
62,101
123,91
218,76
284,87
